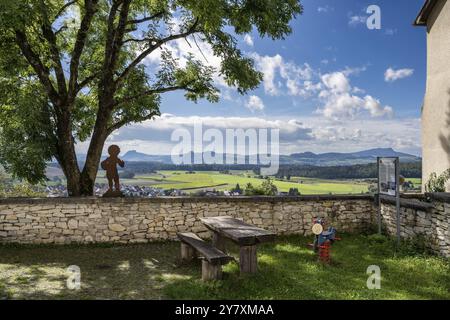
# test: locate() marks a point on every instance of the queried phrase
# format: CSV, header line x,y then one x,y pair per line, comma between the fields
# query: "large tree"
x,y
73,70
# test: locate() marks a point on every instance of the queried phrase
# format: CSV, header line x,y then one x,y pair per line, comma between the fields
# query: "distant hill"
x,y
133,155
335,158
305,158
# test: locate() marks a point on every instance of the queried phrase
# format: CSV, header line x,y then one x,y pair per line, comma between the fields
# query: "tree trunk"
x,y
82,183
67,157
89,173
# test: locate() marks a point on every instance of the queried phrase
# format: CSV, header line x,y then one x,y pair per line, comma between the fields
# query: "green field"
x,y
209,180
191,182
416,181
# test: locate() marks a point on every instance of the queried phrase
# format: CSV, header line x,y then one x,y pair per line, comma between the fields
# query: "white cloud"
x,y
293,75
353,71
325,9
226,95
392,75
390,32
336,133
315,133
248,40
375,108
255,103
351,135
356,20
337,82
269,66
358,90
160,129
340,99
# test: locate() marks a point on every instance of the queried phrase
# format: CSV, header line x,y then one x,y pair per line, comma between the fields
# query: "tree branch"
x,y
85,82
138,40
50,36
121,123
63,8
91,7
119,33
128,30
63,27
59,72
110,34
156,15
151,92
114,42
40,69
159,43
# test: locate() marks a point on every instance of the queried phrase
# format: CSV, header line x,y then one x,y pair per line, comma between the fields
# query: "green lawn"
x,y
287,270
219,181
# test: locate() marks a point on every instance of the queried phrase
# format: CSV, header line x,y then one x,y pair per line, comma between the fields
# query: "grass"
x,y
212,179
417,182
287,270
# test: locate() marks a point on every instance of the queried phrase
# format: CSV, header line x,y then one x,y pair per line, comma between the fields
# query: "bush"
x,y
437,183
22,190
267,188
293,192
250,190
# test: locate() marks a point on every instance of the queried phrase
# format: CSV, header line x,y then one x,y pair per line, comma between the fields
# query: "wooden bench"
x,y
212,258
245,235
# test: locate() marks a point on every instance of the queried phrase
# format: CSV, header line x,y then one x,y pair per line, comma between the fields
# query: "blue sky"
x,y
333,85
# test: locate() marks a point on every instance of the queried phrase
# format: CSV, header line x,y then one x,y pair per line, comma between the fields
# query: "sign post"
x,y
397,197
389,184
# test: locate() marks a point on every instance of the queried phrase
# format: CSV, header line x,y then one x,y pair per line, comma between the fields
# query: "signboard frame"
x,y
396,161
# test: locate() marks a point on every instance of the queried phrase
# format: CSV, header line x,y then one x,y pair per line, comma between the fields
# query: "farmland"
x,y
194,181
202,180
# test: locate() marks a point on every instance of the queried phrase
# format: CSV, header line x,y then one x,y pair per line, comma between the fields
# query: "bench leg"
x,y
219,242
247,260
187,252
211,271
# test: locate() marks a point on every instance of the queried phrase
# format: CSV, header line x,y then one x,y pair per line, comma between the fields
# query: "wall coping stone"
x,y
408,203
92,200
440,196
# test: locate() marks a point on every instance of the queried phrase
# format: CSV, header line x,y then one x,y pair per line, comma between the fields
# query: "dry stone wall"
x,y
427,219
136,220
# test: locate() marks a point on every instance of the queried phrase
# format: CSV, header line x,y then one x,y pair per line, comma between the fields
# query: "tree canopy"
x,y
71,71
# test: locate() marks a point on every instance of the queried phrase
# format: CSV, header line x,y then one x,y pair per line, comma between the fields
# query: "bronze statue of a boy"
x,y
110,165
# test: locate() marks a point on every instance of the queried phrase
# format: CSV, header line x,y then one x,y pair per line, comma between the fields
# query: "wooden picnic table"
x,y
245,235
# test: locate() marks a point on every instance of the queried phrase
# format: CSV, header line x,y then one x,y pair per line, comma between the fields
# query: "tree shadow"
x,y
287,269
445,138
121,272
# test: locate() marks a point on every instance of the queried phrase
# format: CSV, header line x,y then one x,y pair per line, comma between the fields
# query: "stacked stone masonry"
x,y
431,224
138,220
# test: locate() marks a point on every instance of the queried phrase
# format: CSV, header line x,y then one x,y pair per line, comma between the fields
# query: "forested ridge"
x,y
360,171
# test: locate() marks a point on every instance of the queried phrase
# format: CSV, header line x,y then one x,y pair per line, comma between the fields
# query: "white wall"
x,y
436,111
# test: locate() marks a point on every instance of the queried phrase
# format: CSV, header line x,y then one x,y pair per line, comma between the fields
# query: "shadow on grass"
x,y
122,272
288,269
